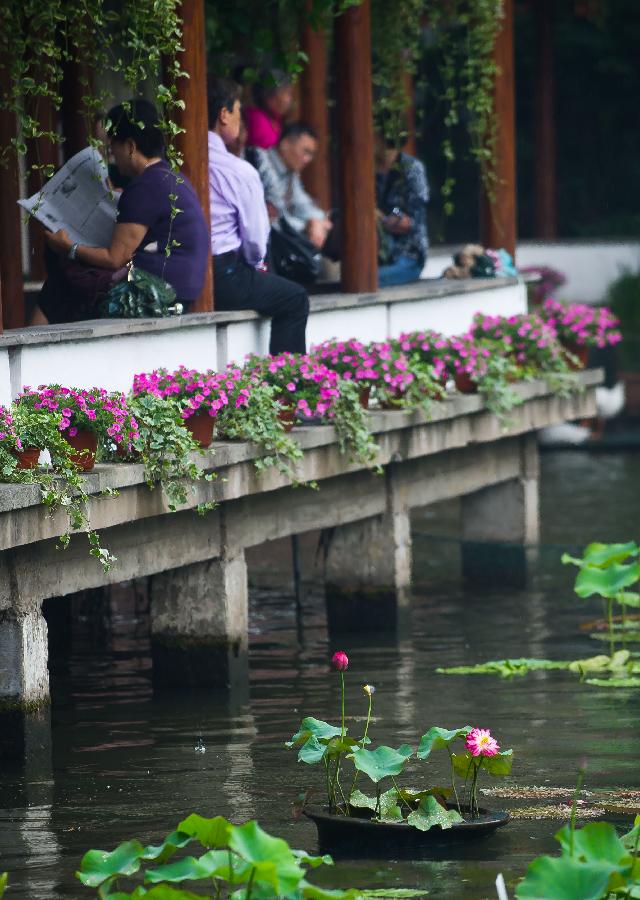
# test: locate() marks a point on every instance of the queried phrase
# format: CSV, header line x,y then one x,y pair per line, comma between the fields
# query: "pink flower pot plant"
x,y
347,759
527,339
319,395
427,348
11,446
578,325
81,411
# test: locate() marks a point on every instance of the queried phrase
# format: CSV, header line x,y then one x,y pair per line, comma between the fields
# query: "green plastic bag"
x,y
140,295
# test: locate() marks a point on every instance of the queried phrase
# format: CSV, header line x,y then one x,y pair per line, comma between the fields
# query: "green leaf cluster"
x,y
595,863
239,861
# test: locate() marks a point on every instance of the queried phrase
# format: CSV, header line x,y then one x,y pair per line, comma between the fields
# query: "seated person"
x,y
79,275
402,193
273,96
240,231
280,169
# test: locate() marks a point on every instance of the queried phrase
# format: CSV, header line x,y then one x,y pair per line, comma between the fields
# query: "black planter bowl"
x,y
357,836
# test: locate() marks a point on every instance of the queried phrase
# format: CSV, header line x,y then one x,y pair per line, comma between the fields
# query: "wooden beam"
x,y
193,143
545,125
357,173
499,215
314,110
11,281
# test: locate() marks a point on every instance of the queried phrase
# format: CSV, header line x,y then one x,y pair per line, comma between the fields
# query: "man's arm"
x,y
253,220
274,188
126,239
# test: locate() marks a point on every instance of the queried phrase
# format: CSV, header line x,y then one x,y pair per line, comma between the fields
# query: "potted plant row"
x,y
370,811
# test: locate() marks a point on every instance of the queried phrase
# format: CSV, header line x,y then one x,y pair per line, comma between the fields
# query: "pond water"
x,y
128,764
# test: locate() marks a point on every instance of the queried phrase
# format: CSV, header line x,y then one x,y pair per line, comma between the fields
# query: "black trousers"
x,y
239,286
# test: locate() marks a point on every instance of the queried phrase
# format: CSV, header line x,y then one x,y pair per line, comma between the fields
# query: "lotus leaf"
x,y
601,663
314,861
614,682
381,762
498,765
3,883
595,842
603,554
430,813
214,864
97,866
437,737
606,582
175,841
272,857
631,839
506,668
563,878
210,832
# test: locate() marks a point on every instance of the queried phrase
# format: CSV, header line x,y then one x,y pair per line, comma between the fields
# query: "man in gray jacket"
x,y
280,168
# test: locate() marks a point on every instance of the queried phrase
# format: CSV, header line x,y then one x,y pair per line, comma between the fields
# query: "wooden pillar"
x,y
410,146
314,110
74,122
499,217
11,285
40,152
357,174
545,131
193,143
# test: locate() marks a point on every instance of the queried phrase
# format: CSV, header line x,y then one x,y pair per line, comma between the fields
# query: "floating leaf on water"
x,y
615,682
506,668
560,811
398,893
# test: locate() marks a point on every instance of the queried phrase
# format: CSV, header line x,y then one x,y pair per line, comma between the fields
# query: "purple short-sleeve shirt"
x,y
145,201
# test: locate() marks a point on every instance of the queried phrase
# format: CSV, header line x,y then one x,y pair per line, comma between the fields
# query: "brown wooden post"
x,y
499,217
411,146
357,173
40,152
11,284
72,113
314,110
545,131
193,143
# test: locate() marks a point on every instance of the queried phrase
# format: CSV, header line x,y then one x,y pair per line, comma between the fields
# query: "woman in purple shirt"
x,y
144,228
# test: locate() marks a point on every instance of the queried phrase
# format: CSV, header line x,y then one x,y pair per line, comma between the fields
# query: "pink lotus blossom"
x,y
480,743
340,661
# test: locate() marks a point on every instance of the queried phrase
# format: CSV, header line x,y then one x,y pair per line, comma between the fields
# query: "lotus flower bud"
x,y
340,661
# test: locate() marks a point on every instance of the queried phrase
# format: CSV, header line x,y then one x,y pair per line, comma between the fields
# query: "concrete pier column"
x,y
199,622
367,567
501,524
24,685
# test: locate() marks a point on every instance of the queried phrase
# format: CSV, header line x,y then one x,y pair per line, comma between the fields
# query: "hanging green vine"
x,y
463,38
396,32
140,41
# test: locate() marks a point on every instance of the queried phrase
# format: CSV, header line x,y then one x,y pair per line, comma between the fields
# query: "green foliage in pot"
x,y
623,297
320,742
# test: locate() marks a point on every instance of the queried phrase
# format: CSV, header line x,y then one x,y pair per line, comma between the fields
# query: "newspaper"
x,y
78,199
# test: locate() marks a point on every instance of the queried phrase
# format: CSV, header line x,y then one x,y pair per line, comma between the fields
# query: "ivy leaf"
x,y
437,737
381,762
430,813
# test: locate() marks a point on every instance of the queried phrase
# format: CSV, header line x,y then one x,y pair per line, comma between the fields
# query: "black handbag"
x,y
292,254
140,295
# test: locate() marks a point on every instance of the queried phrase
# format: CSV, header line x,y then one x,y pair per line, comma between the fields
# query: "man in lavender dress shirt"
x,y
240,232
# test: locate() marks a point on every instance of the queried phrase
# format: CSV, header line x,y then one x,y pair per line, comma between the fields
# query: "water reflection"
x,y
125,762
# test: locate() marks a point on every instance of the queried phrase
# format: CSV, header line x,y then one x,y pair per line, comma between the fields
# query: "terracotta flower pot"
x,y
28,457
86,444
464,383
287,415
200,425
579,351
